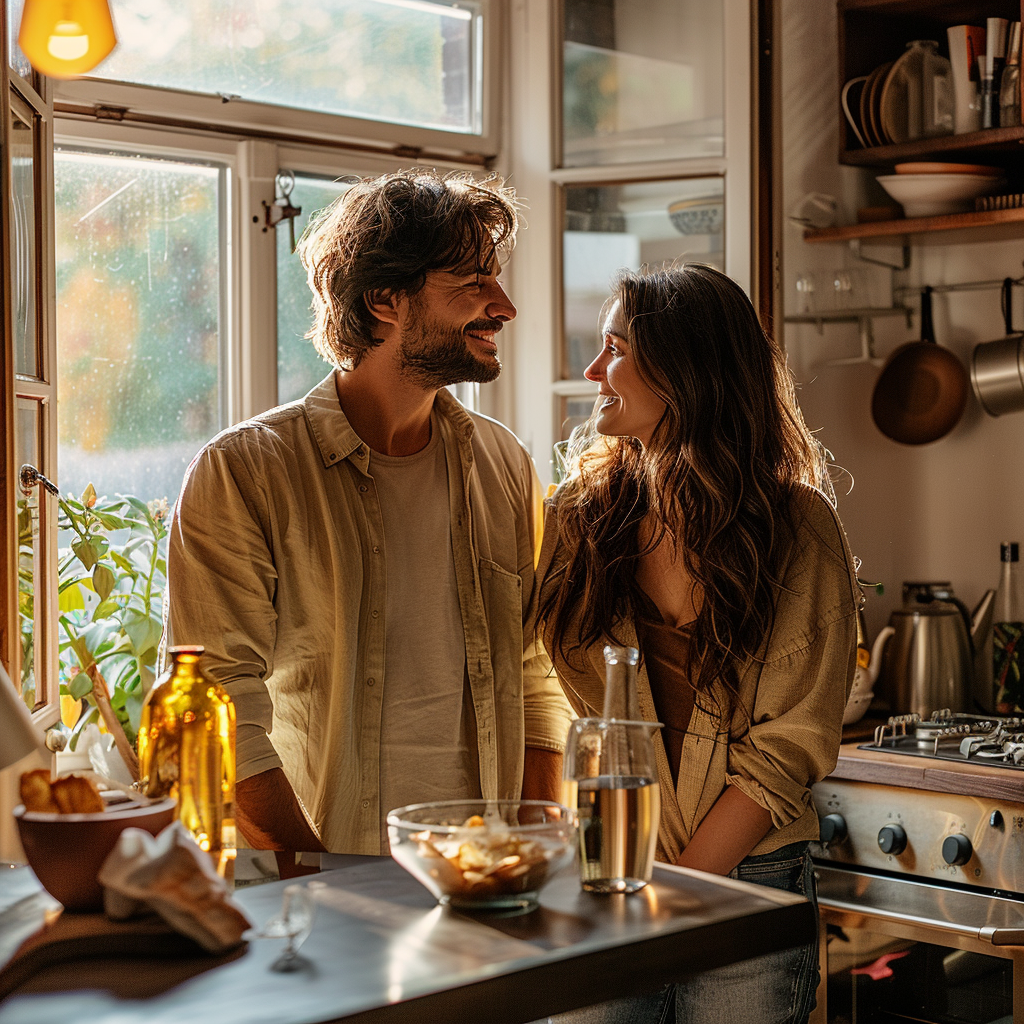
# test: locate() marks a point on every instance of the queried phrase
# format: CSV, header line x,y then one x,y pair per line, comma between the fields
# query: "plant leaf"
x,y
103,582
80,686
85,551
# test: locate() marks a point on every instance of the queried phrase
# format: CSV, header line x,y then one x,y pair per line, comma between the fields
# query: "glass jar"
x,y
917,98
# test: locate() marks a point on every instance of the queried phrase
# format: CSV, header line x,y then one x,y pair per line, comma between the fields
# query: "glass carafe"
x,y
611,779
187,751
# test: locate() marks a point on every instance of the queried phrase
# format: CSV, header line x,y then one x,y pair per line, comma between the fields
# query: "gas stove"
x,y
991,740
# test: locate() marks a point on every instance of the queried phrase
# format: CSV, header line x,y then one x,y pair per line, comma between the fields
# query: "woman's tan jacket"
x,y
785,730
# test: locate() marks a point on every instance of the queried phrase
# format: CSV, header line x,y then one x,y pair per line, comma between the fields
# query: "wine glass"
x,y
293,923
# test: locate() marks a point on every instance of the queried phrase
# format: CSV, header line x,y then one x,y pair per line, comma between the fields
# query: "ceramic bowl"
x,y
697,216
66,851
932,195
483,854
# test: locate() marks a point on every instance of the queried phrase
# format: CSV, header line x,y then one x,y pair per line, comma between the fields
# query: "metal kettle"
x,y
930,662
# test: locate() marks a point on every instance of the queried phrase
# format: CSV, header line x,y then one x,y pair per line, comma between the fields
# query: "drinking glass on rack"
x,y
610,778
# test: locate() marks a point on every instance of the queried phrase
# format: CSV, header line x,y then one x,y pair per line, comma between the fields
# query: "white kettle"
x,y
868,664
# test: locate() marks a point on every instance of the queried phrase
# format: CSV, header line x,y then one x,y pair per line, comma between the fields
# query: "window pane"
x,y
28,449
574,412
299,365
614,226
405,61
139,293
17,60
23,247
642,80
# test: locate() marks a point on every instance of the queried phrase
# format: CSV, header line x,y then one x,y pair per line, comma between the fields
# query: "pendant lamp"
x,y
65,38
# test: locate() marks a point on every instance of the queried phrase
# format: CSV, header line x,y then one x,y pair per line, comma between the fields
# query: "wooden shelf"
x,y
972,147
989,226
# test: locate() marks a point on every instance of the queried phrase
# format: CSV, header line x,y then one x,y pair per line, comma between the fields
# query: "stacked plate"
x,y
936,189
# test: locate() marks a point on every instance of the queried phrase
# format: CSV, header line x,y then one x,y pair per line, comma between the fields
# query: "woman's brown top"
x,y
665,650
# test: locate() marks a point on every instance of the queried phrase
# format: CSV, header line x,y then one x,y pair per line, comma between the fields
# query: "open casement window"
x,y
28,639
636,126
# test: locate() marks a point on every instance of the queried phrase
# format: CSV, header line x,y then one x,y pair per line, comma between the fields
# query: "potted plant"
x,y
111,578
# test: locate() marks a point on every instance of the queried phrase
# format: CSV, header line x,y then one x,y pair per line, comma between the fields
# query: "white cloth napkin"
x,y
170,874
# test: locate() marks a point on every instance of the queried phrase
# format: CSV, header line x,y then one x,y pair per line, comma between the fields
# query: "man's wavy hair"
x,y
718,474
383,234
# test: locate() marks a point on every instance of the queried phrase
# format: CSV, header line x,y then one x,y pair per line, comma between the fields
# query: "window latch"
x,y
281,209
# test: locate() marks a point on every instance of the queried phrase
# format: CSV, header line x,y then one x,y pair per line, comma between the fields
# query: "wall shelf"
x,y
971,147
987,226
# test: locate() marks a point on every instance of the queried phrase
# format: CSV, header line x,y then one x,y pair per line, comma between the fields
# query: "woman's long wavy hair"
x,y
717,475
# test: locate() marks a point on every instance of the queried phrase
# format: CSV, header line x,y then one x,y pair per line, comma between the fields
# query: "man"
x,y
358,564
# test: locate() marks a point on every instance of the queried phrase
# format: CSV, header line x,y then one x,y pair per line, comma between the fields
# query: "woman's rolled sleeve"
x,y
797,722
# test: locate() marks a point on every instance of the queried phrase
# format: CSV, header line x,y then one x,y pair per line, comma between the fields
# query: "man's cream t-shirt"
x,y
428,733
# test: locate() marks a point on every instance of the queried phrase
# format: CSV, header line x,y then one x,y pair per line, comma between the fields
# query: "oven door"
x,y
899,950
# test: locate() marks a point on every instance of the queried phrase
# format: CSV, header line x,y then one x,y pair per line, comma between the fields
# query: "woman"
x,y
696,523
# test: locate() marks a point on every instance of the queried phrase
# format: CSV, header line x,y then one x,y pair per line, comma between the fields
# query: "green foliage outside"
x,y
111,580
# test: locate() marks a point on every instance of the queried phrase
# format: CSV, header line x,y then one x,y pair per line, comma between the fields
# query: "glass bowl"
x,y
483,854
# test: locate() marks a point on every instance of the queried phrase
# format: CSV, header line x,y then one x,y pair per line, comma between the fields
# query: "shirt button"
x,y
370,681
376,550
366,803
362,488
360,453
375,613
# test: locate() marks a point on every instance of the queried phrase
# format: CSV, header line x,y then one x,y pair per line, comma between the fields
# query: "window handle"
x,y
29,477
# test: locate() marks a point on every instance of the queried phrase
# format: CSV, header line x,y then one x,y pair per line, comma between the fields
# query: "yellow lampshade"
x,y
64,38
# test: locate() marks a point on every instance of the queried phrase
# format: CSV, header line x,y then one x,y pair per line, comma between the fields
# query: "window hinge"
x,y
407,152
109,113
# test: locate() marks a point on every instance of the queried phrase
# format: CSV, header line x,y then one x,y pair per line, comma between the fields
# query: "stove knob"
x,y
956,849
892,839
832,828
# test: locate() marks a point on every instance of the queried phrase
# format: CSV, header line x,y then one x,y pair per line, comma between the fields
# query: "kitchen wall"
x,y
935,511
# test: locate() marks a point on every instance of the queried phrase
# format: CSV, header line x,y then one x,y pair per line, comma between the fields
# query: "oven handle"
x,y
1002,936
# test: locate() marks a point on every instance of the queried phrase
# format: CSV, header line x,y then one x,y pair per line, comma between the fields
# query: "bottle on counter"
x,y
187,751
1008,633
1009,85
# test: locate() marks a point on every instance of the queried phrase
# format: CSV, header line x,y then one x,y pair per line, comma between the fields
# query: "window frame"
x,y
22,99
177,107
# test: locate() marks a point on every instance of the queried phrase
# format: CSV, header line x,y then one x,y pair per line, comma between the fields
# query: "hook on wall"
x,y
281,209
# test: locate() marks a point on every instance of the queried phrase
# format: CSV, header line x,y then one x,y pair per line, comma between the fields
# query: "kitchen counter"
x,y
382,952
970,778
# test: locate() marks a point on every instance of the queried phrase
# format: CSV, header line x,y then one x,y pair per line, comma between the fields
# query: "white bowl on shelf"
x,y
933,195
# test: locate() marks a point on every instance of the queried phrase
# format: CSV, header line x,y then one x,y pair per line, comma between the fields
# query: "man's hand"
x,y
269,817
542,775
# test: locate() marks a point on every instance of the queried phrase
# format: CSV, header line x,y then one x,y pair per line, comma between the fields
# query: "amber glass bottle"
x,y
187,750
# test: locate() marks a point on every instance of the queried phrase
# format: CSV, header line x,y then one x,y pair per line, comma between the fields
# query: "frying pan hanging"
x,y
921,392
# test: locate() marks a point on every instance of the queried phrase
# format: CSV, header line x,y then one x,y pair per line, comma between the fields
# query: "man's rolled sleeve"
x,y
547,713
220,587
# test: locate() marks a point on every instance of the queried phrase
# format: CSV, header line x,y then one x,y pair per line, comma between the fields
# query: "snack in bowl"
x,y
67,830
483,854
68,794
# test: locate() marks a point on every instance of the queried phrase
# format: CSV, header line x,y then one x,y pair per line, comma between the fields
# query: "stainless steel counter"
x,y
382,951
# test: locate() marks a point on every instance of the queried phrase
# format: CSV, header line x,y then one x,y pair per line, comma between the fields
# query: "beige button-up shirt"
x,y
276,564
785,727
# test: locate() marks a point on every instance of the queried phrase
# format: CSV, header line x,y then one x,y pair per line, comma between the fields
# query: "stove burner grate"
x,y
954,736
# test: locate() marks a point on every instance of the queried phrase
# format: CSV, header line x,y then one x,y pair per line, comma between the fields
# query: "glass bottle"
x,y
611,780
1009,84
187,751
1008,633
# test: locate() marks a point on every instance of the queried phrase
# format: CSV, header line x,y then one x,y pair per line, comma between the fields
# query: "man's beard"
x,y
434,355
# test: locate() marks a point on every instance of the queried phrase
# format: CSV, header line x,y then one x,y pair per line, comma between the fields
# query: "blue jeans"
x,y
777,988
